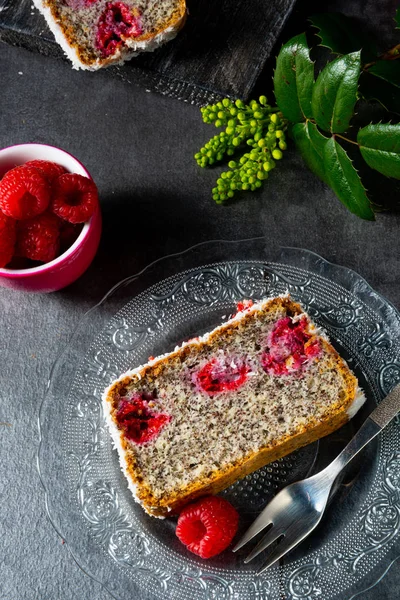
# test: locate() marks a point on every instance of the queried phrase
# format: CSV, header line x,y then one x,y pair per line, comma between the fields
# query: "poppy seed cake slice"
x,y
97,33
192,422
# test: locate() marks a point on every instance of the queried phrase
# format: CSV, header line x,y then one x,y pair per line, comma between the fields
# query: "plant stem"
x,y
345,139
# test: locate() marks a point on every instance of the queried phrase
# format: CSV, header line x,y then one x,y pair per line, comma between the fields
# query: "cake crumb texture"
x,y
218,408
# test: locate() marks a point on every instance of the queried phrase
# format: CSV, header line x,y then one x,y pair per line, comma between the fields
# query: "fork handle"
x,y
377,420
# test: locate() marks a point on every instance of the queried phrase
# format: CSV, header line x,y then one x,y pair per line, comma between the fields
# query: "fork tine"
x,y
272,535
258,525
280,550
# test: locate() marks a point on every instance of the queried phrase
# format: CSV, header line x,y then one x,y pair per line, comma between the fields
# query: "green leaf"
x,y
380,148
372,88
310,143
335,93
342,35
388,70
344,180
294,79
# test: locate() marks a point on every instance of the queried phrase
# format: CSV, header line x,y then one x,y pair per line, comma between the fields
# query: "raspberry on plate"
x,y
207,526
7,239
24,193
50,170
74,198
38,238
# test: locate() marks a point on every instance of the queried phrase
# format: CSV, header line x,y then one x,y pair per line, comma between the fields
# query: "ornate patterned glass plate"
x,y
136,556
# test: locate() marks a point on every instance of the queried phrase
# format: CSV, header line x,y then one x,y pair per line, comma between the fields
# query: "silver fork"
x,y
297,509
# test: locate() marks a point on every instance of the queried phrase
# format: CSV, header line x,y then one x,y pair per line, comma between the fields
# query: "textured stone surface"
x,y
155,200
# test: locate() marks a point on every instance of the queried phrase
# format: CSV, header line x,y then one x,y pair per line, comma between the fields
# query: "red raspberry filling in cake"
x,y
222,375
139,421
116,24
288,350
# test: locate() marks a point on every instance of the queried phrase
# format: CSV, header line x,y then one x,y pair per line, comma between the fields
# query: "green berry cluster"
x,y
257,126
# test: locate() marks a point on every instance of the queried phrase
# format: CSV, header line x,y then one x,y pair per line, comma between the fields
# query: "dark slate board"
x,y
220,51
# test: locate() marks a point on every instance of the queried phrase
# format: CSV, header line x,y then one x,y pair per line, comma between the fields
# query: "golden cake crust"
x,y
315,429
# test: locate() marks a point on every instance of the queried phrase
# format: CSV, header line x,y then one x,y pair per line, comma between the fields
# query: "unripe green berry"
x,y
230,130
267,166
218,123
262,143
263,100
258,114
275,119
239,103
233,111
277,154
257,136
232,164
211,117
279,133
282,145
233,185
260,175
230,194
226,102
230,152
258,184
223,175
236,141
271,127
242,160
245,186
253,123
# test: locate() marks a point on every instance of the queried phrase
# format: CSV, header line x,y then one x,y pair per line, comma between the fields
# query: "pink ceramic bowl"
x,y
70,265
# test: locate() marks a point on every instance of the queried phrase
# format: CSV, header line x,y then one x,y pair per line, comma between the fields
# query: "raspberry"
x,y
207,526
68,234
137,417
115,25
7,239
50,170
38,238
222,375
24,193
74,198
244,305
289,348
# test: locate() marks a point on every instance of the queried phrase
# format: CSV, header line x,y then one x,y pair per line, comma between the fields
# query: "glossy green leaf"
x,y
335,93
342,35
380,148
388,70
310,143
373,88
294,79
345,181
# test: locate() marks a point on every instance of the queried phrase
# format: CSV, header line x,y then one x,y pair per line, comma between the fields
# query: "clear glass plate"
x,y
134,555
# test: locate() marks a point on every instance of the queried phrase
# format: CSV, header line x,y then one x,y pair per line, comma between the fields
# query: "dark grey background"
x,y
155,200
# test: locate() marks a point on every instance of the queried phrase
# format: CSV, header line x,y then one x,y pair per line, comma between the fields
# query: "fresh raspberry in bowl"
x,y
40,250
